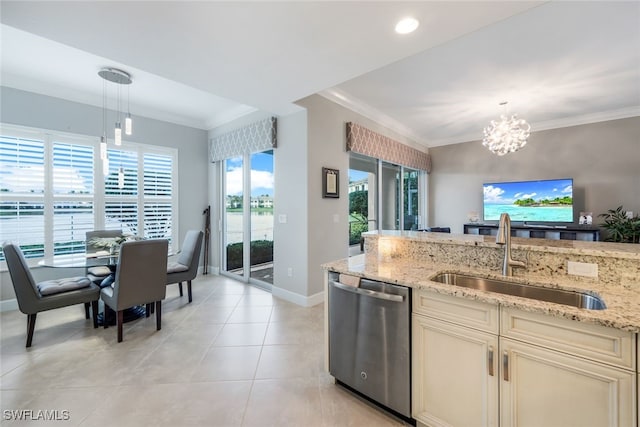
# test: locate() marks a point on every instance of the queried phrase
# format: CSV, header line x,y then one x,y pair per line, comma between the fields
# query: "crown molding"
x,y
342,98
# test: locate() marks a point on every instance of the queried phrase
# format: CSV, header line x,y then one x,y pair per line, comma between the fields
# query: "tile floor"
x,y
236,356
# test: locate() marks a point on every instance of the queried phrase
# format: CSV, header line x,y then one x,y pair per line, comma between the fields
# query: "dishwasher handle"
x,y
367,292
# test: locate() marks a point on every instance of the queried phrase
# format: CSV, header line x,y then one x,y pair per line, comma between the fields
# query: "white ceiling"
x,y
204,63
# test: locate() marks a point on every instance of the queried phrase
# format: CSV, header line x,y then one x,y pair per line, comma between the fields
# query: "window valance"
x,y
365,141
258,136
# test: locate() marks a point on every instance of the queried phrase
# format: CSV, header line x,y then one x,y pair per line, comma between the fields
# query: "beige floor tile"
x,y
239,334
206,313
288,312
222,300
209,404
310,332
228,364
340,407
70,405
284,402
201,369
250,314
290,361
257,299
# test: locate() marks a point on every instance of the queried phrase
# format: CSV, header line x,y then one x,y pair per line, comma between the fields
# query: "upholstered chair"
x,y
140,279
36,297
185,267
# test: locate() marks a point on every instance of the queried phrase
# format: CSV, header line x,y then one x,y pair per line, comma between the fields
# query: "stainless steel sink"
x,y
558,296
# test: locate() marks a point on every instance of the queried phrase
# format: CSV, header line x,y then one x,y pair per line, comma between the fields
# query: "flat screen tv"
x,y
535,201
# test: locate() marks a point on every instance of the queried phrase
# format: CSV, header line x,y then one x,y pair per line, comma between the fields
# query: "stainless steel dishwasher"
x,y
369,340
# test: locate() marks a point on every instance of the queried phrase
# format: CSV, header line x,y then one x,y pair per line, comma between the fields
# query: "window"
x,y
52,190
22,193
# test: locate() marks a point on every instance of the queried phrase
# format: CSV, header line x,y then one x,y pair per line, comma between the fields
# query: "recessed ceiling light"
x,y
407,25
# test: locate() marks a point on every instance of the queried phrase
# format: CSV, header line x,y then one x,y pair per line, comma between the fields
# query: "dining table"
x,y
95,259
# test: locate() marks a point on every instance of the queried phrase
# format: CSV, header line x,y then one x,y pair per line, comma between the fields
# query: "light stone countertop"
x,y
623,303
576,247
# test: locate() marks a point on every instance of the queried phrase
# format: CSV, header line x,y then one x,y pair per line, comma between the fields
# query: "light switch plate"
x,y
582,269
336,218
282,218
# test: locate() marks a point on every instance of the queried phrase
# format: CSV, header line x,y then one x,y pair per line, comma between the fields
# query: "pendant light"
x,y
128,123
120,78
121,178
507,135
103,139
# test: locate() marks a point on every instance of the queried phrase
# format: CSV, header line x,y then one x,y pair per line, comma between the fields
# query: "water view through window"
x,y
254,211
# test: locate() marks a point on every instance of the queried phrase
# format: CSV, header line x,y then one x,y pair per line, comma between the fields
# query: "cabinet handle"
x,y
505,365
490,360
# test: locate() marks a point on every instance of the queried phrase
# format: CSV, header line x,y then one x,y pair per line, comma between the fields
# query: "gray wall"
x,y
602,158
328,239
33,110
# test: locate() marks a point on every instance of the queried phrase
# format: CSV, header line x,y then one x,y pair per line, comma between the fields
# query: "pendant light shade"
x,y
121,178
118,134
128,124
507,135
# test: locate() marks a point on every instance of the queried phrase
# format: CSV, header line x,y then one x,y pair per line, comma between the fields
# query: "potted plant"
x,y
621,228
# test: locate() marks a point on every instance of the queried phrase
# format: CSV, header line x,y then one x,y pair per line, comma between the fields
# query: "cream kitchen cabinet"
x,y
455,361
455,371
527,369
541,387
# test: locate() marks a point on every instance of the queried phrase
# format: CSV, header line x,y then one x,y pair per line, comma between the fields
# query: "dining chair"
x,y
36,297
140,279
185,267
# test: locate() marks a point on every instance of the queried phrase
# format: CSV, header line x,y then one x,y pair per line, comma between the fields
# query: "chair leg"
x,y
105,316
189,290
120,321
147,310
94,310
31,325
180,287
158,315
86,310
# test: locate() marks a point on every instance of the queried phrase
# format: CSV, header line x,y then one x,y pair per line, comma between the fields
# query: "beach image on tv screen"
x,y
543,201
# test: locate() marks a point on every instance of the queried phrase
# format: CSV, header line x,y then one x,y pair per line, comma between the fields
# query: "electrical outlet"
x,y
582,269
629,214
290,272
282,218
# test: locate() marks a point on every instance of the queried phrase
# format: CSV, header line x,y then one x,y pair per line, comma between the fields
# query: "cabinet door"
x,y
541,387
455,375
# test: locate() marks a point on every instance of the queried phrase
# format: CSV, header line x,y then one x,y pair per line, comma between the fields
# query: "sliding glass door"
x,y
233,218
261,217
247,236
363,184
385,196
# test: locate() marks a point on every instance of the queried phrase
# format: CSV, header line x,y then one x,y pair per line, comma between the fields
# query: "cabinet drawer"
x,y
461,311
595,342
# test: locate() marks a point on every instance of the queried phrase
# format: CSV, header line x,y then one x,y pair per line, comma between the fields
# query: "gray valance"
x,y
253,138
365,141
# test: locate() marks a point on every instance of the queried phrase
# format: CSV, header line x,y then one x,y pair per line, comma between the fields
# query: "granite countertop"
x,y
619,250
623,303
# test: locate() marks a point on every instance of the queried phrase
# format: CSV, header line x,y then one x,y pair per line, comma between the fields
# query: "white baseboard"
x,y
212,270
8,305
298,299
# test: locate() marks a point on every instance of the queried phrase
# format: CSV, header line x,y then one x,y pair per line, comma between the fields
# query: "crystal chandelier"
x,y
506,136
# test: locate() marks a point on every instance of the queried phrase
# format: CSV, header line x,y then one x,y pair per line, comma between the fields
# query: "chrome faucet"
x,y
504,238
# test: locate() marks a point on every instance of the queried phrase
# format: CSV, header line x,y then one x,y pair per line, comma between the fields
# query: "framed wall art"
x,y
330,183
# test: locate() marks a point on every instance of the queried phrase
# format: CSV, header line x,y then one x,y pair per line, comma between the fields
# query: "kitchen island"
x,y
513,360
